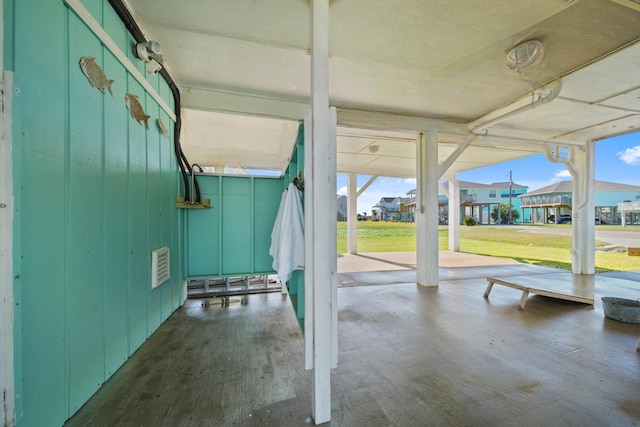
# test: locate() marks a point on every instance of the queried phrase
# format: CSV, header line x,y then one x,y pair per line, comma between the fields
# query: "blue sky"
x,y
617,160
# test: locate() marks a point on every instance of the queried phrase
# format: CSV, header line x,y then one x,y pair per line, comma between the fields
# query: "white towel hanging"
x,y
287,236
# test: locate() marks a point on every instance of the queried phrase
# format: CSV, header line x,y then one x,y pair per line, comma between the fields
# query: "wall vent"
x,y
160,266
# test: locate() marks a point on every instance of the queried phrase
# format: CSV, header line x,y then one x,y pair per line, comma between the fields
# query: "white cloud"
x,y
630,156
563,173
342,191
411,181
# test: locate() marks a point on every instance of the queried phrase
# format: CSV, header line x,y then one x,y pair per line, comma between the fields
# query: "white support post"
x,y
427,210
454,215
352,213
7,399
420,217
323,229
583,210
309,266
333,250
590,209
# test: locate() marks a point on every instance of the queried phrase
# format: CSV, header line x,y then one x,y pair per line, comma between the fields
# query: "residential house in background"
x,y
443,207
552,204
395,209
478,200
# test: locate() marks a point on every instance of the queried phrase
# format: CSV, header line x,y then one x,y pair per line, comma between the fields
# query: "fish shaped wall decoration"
x,y
94,74
162,127
135,109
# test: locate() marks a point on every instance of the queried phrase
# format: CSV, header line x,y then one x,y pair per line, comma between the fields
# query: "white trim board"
x,y
7,402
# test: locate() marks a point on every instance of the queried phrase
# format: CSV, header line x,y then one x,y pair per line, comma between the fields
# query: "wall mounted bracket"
x,y
182,204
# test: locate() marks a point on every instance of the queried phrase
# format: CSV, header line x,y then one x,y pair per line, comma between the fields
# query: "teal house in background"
x,y
553,203
479,200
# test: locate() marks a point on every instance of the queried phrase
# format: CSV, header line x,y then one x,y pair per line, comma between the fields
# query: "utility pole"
x,y
510,193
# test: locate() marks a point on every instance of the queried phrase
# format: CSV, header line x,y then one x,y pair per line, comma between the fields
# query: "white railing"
x,y
546,201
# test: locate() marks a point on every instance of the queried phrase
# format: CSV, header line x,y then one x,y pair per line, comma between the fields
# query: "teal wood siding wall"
x,y
612,198
296,283
232,238
95,194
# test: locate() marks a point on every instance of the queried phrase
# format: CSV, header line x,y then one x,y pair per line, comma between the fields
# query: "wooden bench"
x,y
524,284
633,251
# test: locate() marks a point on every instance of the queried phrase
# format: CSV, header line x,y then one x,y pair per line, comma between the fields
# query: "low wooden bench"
x,y
523,283
633,251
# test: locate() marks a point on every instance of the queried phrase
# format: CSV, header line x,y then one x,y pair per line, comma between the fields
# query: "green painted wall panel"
x,y
40,266
167,208
113,26
154,195
86,365
203,231
233,237
139,248
116,203
95,8
267,191
177,234
236,231
94,192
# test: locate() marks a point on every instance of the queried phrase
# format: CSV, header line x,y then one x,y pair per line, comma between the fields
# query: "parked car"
x,y
564,219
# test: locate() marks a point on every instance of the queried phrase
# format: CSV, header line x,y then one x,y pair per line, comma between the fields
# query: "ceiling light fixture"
x,y
373,148
524,54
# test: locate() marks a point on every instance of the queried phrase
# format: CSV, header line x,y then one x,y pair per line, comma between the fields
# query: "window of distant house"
x,y
492,193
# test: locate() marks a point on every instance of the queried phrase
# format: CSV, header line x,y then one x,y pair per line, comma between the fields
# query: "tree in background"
x,y
504,214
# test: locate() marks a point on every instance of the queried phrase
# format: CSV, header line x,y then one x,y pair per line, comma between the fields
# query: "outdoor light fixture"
x,y
149,52
524,54
373,148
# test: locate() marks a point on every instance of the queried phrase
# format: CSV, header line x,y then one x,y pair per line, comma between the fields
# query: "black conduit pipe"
x,y
135,30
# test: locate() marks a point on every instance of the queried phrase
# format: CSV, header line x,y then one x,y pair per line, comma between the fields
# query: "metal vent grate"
x,y
160,266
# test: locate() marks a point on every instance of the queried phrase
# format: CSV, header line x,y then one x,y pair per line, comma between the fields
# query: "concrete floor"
x,y
409,356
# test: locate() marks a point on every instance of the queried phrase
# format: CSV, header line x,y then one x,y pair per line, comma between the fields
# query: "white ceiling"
x,y
397,67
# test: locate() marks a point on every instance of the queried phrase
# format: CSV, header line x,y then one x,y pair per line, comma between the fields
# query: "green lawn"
x,y
505,242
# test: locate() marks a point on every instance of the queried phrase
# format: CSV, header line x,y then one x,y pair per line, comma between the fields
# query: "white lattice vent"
x,y
160,266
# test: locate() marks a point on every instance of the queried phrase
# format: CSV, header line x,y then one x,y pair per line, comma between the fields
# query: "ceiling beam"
x,y
527,138
397,122
366,185
510,145
446,164
243,103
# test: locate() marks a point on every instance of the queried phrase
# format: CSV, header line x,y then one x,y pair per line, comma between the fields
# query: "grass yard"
x,y
505,242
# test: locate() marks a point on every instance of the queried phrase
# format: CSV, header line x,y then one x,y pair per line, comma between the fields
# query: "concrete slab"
x,y
408,356
393,261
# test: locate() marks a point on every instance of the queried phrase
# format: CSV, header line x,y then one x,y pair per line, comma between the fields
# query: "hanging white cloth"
x,y
287,236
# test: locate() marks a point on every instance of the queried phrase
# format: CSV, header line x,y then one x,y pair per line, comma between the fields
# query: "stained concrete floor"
x,y
408,356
